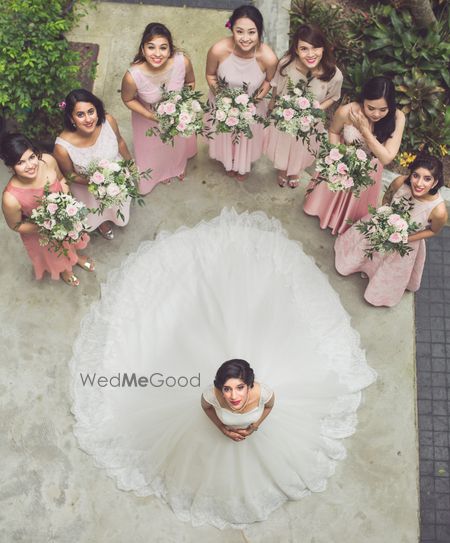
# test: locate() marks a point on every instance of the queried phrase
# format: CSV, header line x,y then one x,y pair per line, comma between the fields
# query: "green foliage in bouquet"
x,y
37,67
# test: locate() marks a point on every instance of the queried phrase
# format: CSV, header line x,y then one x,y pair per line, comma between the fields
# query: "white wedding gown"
x,y
233,287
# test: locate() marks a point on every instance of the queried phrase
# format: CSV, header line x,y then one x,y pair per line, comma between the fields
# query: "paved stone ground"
x,y
433,386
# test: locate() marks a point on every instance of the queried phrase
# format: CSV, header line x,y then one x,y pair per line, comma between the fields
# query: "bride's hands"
x,y
233,434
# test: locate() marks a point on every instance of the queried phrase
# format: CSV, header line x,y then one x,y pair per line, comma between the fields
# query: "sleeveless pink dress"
x,y
389,274
239,156
43,259
335,208
105,147
286,152
165,160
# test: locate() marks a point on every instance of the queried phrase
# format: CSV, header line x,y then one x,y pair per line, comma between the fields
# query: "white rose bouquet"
x,y
234,111
61,220
298,113
179,113
113,182
344,168
388,228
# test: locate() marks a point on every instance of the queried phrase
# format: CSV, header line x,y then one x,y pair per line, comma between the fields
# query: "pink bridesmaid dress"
x,y
43,259
239,156
389,274
105,147
165,160
335,208
287,153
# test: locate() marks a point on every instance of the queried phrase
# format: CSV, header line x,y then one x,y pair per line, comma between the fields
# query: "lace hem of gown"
x,y
298,445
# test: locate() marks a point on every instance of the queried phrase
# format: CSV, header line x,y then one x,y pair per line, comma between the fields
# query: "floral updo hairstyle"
x,y
374,89
82,95
13,146
431,163
153,30
234,369
313,35
248,12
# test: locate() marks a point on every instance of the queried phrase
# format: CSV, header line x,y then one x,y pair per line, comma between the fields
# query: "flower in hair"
x,y
62,105
228,24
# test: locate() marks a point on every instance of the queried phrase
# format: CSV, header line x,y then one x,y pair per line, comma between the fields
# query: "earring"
x,y
74,125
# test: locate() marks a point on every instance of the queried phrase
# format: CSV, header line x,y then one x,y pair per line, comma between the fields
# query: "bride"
x,y
234,288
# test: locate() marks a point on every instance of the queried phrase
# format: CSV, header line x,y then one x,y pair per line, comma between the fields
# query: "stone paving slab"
x,y
433,385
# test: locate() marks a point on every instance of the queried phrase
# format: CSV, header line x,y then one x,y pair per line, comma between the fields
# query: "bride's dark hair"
x,y
234,369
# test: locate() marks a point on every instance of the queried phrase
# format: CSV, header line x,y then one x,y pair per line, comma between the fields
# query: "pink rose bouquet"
x,y
61,220
233,111
113,182
344,167
388,228
179,113
298,113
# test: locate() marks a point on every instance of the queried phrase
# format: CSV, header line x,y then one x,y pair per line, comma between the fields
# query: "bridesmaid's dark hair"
x,y
82,95
13,146
313,35
248,12
234,369
431,163
374,89
151,31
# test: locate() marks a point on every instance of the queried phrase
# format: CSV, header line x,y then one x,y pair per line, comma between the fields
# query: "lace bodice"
x,y
238,420
105,147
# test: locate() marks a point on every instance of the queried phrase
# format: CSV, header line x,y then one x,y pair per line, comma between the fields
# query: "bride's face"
x,y
235,392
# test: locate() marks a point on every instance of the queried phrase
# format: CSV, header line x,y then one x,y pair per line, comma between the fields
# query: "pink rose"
x,y
231,121
103,163
169,108
71,210
73,235
348,182
342,168
52,208
303,103
392,220
234,112
78,227
97,177
112,190
328,161
335,154
248,116
226,100
49,224
160,109
395,237
361,155
185,118
242,99
401,224
220,115
288,113
181,127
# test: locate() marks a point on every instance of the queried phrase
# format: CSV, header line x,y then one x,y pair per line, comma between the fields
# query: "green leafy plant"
x,y
37,67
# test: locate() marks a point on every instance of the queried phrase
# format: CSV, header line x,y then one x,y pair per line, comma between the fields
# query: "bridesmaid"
x,y
390,274
309,55
90,134
157,63
31,172
241,58
375,124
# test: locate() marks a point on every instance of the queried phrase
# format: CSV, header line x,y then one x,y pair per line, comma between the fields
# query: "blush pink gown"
x,y
335,208
239,156
43,259
389,274
105,147
287,153
165,160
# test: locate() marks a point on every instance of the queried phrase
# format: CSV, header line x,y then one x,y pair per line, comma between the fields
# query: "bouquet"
x,y
234,111
344,167
60,218
388,228
113,182
298,113
179,113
